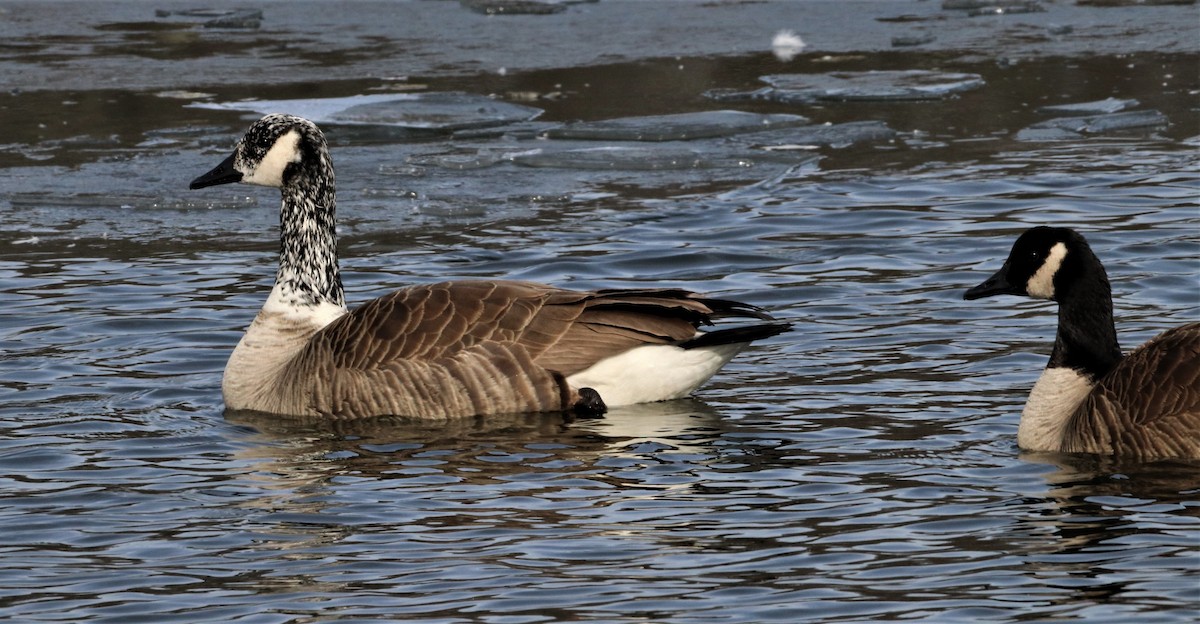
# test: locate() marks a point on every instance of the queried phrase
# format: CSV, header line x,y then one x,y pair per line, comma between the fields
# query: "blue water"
x,y
861,468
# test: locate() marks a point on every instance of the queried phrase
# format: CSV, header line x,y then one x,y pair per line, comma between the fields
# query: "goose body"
x,y
449,349
1091,398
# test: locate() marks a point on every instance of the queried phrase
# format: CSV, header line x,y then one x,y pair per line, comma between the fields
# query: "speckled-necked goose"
x,y
454,348
1091,398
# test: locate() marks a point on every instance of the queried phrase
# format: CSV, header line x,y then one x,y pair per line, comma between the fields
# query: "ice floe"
x,y
1071,128
438,111
885,85
678,127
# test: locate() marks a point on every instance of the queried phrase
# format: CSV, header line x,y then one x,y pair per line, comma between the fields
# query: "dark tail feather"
x,y
726,308
733,335
721,308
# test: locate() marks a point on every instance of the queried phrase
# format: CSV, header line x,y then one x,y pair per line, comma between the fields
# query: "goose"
x,y
455,348
1091,398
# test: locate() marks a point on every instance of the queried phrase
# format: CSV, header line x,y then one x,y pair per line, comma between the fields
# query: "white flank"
x,y
1041,285
269,172
1055,396
654,372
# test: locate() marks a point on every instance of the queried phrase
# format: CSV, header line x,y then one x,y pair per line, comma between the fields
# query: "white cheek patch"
x,y
1041,285
269,171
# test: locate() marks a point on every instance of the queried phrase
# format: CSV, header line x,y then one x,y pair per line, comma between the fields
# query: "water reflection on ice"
x,y
442,111
846,86
1100,107
1074,128
678,127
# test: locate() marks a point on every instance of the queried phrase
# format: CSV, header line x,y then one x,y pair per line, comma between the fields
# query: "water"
x,y
861,468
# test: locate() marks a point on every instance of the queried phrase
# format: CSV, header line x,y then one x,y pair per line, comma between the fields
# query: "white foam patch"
x,y
269,172
1041,285
653,373
785,45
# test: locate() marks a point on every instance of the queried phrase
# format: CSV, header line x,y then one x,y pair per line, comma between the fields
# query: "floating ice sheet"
x,y
899,85
515,7
1127,3
775,145
438,111
651,158
1110,105
969,5
1007,8
833,135
219,18
912,40
680,127
1066,128
913,84
615,157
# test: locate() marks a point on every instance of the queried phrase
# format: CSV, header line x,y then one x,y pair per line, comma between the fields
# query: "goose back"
x,y
1148,405
478,347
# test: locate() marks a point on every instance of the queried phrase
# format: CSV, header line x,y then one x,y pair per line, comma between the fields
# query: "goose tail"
x,y
737,335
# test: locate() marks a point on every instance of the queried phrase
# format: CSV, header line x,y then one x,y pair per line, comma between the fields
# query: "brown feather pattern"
x,y
478,347
1148,405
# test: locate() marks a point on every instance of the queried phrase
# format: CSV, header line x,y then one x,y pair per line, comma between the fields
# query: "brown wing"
x,y
1149,404
433,321
479,347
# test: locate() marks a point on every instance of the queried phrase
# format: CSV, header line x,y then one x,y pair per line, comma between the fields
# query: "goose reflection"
x,y
307,464
684,424
1094,513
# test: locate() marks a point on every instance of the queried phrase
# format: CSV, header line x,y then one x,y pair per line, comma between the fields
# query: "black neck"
x,y
1087,337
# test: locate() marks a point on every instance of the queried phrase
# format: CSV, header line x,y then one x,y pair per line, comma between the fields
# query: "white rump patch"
x,y
269,172
1041,285
1054,398
654,372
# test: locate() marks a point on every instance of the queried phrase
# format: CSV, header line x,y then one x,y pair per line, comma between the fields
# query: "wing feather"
x,y
1148,405
474,347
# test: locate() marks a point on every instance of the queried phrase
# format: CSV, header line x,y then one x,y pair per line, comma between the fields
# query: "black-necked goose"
x,y
454,348
1090,398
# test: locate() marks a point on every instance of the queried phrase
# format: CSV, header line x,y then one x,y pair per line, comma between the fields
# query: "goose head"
x,y
290,153
1044,263
277,151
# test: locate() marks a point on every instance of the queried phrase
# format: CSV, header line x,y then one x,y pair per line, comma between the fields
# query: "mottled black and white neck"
x,y
290,153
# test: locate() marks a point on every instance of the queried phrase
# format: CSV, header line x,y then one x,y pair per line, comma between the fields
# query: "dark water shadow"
x,y
1095,510
489,446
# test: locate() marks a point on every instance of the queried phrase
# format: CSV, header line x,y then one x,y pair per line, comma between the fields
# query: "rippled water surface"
x,y
860,468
